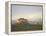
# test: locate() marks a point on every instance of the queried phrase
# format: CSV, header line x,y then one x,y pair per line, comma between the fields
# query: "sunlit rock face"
x,y
22,21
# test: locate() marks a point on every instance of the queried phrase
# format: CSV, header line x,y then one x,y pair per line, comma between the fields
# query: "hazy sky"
x,y
28,12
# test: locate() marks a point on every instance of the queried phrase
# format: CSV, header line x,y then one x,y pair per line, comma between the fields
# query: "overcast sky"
x,y
28,12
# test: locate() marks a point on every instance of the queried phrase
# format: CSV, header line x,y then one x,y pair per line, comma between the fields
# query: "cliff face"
x,y
22,21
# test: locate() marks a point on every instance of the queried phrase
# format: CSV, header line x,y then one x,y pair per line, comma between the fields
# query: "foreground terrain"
x,y
26,27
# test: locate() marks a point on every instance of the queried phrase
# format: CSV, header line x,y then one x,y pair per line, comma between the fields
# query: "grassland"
x,y
26,27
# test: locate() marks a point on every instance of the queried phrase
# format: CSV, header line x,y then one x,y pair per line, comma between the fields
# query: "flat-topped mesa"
x,y
22,21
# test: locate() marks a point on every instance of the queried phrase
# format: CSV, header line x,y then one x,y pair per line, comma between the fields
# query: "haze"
x,y
28,12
